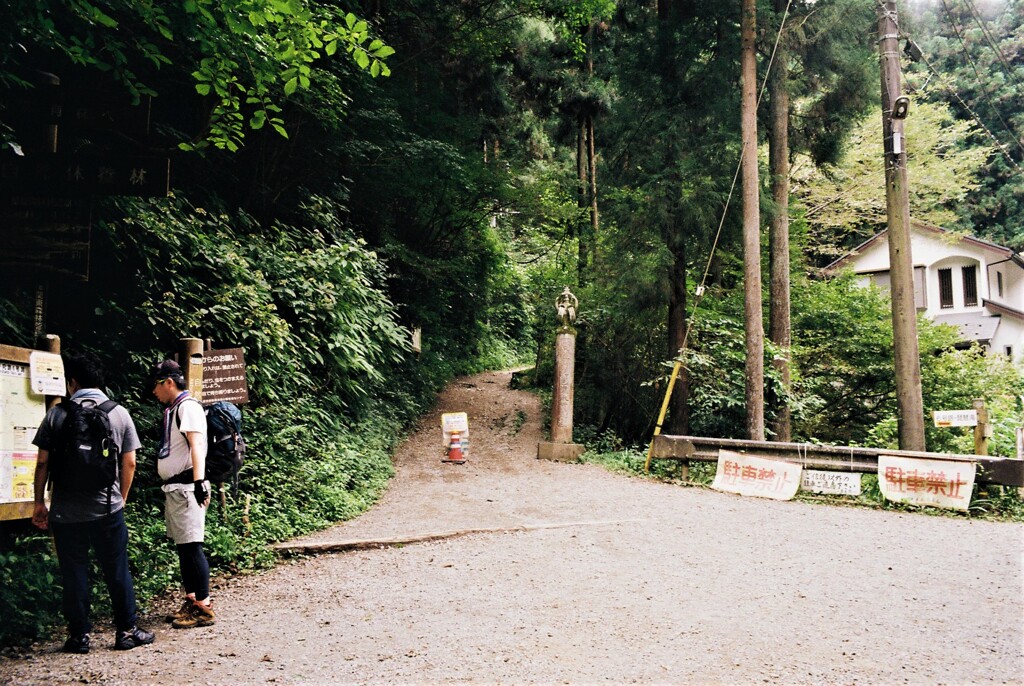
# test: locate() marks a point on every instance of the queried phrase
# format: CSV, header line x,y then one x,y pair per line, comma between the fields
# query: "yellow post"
x,y
664,410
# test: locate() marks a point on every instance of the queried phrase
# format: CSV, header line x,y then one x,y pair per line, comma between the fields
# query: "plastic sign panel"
x,y
455,422
946,418
47,371
939,483
830,483
748,475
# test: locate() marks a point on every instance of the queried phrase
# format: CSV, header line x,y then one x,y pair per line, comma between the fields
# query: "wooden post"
x,y
982,430
1020,454
190,352
51,344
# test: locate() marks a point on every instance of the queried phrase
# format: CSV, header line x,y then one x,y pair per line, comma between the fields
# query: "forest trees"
x,y
472,171
971,60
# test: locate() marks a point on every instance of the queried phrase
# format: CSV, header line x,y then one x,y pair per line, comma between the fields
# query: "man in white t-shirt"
x,y
181,465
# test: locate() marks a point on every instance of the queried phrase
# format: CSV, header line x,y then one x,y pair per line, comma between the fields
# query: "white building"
x,y
961,280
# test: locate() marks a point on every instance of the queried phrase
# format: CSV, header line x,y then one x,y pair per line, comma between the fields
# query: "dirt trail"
x,y
601,578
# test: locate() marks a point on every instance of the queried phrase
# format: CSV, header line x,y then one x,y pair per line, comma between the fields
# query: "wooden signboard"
x,y
80,176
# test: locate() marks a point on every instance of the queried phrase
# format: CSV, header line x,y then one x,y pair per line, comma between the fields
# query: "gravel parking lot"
x,y
581,576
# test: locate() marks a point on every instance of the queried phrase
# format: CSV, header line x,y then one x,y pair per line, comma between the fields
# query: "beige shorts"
x,y
186,520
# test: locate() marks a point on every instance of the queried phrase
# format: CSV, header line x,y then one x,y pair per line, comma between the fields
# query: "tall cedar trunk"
x,y
589,236
779,328
592,166
678,423
679,409
581,196
754,325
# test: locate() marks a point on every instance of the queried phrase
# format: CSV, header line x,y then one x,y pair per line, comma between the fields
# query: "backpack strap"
x,y
184,477
177,416
108,406
177,420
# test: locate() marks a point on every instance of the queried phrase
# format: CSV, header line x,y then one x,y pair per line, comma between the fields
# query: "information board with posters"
x,y
21,411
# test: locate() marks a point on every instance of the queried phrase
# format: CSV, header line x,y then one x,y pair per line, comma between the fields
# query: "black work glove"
x,y
201,492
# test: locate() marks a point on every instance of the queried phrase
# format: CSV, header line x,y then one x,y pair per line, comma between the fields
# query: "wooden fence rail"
x,y
1005,471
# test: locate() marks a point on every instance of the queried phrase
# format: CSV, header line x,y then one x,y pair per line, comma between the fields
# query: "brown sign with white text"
x,y
224,376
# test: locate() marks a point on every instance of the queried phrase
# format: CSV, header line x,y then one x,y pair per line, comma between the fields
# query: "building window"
x,y
945,288
999,283
1008,350
920,288
970,286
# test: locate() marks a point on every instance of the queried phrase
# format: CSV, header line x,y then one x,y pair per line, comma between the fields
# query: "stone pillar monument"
x,y
561,447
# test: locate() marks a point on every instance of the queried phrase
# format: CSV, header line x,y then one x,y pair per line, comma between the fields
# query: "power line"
x,y
974,115
988,36
981,82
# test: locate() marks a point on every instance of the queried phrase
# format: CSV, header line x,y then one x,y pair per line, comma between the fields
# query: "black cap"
x,y
168,369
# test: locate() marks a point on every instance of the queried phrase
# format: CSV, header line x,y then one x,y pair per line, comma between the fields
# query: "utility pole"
x,y
901,266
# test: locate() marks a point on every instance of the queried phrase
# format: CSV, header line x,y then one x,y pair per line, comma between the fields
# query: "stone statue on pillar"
x,y
566,306
561,447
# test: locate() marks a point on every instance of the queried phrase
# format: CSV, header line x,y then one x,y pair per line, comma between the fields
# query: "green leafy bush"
x,y
28,589
326,367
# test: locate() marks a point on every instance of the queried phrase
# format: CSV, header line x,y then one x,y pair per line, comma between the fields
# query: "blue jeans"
x,y
108,536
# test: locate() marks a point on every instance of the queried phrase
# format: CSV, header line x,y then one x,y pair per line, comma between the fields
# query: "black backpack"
x,y
84,456
225,446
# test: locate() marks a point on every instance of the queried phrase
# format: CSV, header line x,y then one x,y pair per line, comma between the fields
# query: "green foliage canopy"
x,y
246,55
845,203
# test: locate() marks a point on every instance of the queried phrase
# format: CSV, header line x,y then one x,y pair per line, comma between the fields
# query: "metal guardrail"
x,y
1005,471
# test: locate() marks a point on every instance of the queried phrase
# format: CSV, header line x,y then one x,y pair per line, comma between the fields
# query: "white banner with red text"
x,y
748,475
939,483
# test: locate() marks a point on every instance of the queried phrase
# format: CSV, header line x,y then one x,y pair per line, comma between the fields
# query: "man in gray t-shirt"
x,y
80,520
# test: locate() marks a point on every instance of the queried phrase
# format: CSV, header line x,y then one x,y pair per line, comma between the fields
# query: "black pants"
x,y
108,536
195,570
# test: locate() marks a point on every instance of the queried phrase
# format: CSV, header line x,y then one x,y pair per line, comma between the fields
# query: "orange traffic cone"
x,y
454,451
